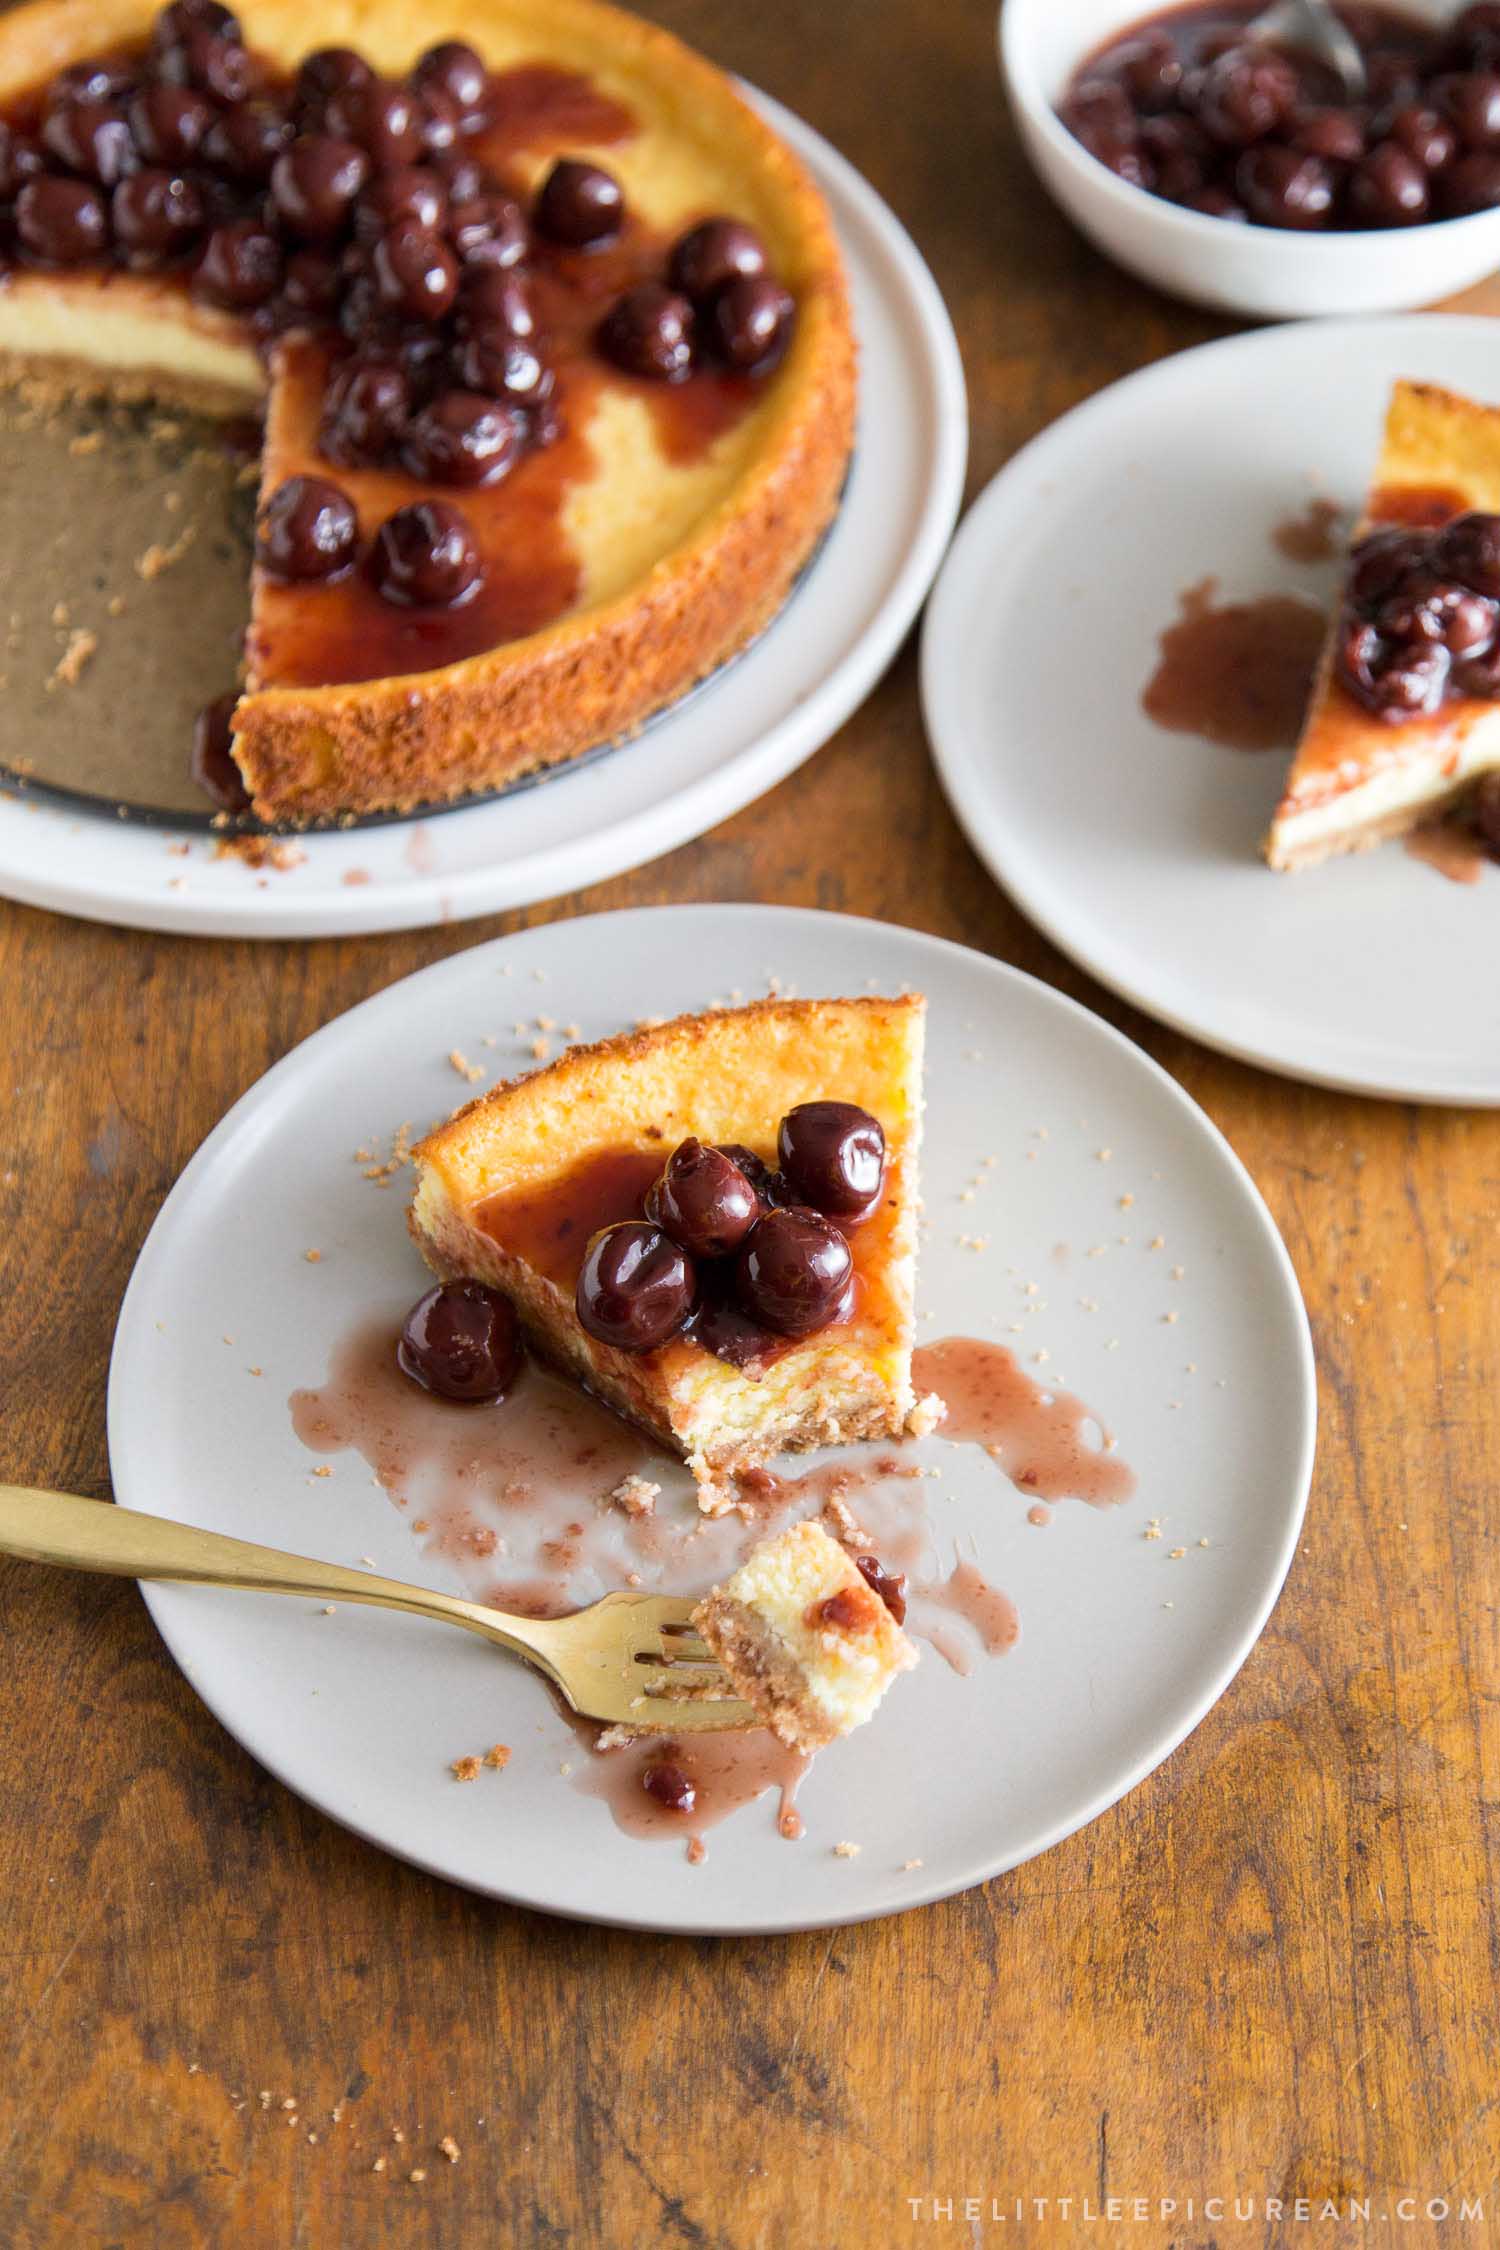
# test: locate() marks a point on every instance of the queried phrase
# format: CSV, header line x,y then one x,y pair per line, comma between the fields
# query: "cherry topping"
x,y
62,222
93,138
307,530
703,1200
833,1155
461,437
311,287
21,158
486,230
707,256
245,141
424,556
751,322
169,123
453,69
1472,183
314,184
415,272
241,266
648,332
635,1288
794,1272
492,298
1425,135
462,1341
212,764
668,1785
503,366
890,1585
365,411
580,205
1337,135
100,79
1468,549
184,17
214,63
327,73
1472,101
1245,94
384,120
411,191
156,214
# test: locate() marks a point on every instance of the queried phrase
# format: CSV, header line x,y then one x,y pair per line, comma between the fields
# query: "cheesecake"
x,y
709,1222
1404,720
548,330
805,1637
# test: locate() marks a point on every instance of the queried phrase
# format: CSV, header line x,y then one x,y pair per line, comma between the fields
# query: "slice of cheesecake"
x,y
804,1637
512,1189
1359,777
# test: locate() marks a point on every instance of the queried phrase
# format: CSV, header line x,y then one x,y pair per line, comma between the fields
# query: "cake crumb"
x,y
637,1495
1125,1203
323,1470
541,1048
460,1062
116,605
312,1256
87,442
448,2147
465,1769
68,669
908,1866
157,558
925,1416
697,1851
417,2175
1175,1554
498,1756
846,1851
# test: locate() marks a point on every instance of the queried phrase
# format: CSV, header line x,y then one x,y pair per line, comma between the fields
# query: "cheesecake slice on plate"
x,y
1405,714
711,1223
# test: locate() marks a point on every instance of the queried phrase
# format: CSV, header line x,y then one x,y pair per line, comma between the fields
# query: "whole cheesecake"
x,y
549,330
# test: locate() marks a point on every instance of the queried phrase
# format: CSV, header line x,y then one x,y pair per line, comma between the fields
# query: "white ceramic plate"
x,y
1137,851
730,743
1175,1314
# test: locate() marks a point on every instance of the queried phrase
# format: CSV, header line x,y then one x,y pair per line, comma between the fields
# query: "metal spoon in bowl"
x,y
1313,26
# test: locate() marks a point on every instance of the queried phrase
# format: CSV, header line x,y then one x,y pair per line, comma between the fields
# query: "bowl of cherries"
x,y
1244,174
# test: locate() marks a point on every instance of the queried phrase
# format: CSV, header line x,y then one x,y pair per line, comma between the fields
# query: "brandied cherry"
x,y
1468,549
794,1272
384,120
1425,135
636,1286
1394,681
244,142
365,411
750,321
504,367
453,69
1245,94
21,159
241,266
310,291
212,763
314,184
100,78
890,1585
183,17
62,222
169,123
461,437
485,230
490,297
833,1154
1472,183
327,73
215,65
1385,562
1472,102
425,557
716,251
648,332
1389,188
415,272
579,205
156,214
411,192
669,1786
1337,135
93,138
307,530
703,1200
1282,187
463,1341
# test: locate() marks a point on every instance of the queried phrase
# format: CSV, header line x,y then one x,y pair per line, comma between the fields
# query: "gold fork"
x,y
630,1659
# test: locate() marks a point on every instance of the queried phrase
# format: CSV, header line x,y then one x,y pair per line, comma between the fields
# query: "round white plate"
x,y
1159,1291
1135,850
729,744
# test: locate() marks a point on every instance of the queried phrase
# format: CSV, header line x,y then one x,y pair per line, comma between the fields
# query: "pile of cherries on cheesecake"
x,y
1420,622
728,1251
1188,108
357,208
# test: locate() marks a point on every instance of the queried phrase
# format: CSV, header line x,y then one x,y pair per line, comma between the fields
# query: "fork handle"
x,y
77,1534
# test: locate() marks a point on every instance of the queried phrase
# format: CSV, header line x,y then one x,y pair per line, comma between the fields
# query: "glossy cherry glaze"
x,y
1184,106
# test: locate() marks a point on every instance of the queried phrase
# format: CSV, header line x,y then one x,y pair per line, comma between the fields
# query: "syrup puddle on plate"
x,y
1237,673
517,1499
1316,535
1451,847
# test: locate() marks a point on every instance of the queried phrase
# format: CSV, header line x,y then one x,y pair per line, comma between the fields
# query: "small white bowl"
x,y
1270,272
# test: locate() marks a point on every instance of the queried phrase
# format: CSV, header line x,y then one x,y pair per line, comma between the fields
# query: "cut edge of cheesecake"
x,y
804,1637
596,675
728,1075
1355,782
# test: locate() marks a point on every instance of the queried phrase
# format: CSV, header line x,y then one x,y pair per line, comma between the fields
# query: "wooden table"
x,y
1271,1971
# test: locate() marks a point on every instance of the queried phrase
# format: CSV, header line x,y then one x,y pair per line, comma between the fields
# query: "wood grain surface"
x,y
1270,1972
